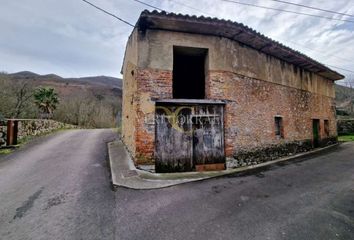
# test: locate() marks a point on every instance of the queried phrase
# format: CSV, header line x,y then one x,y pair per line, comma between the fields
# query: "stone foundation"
x,y
272,152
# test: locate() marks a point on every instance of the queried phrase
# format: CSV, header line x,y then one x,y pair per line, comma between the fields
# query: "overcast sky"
x,y
73,39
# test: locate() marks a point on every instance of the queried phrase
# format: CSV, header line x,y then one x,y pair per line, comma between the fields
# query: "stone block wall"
x,y
34,127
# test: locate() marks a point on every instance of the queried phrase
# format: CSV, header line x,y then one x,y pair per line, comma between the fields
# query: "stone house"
x,y
201,92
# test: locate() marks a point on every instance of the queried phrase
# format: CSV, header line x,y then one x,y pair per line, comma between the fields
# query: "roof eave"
x,y
234,31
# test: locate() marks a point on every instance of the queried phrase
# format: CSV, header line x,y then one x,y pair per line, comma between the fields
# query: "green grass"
x,y
5,151
346,138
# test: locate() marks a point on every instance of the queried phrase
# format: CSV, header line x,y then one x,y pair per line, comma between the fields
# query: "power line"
x,y
315,50
247,4
288,11
193,8
196,9
185,6
111,14
340,68
310,7
146,4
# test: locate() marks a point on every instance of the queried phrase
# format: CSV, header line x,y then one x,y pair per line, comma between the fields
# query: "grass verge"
x,y
346,138
5,151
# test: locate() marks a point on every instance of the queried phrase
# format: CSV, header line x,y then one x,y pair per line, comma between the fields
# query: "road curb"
x,y
125,174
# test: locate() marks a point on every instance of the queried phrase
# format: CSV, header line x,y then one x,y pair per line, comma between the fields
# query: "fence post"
x,y
12,129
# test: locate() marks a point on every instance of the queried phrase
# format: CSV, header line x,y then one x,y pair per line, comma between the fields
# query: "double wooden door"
x,y
188,136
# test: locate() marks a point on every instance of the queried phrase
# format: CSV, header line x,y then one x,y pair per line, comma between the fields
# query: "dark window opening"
x,y
279,131
189,72
316,132
326,127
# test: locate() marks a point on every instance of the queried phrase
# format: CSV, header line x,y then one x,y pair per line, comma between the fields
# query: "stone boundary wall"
x,y
345,126
34,127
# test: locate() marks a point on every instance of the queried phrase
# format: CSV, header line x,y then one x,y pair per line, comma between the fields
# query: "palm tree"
x,y
46,100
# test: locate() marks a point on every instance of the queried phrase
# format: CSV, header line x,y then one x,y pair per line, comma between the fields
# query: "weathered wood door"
x,y
188,136
173,145
208,137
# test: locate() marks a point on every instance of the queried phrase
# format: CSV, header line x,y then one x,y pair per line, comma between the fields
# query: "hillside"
x,y
342,93
109,85
95,80
344,100
93,101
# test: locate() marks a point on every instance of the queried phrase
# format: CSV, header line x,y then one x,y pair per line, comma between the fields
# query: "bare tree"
x,y
23,94
86,110
15,96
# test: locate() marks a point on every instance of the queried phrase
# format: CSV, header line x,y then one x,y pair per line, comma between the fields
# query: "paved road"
x,y
58,188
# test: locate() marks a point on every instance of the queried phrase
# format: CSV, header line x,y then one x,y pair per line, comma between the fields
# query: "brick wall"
x,y
257,87
251,107
253,104
152,84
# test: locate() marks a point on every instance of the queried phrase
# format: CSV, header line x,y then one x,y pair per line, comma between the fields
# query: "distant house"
x,y
201,92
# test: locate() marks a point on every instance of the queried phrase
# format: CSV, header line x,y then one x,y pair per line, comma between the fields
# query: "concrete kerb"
x,y
125,174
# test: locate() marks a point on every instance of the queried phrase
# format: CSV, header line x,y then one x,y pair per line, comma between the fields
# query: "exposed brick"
x,y
158,84
253,104
256,87
249,113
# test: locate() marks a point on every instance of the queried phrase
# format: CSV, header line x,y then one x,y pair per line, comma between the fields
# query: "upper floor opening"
x,y
189,71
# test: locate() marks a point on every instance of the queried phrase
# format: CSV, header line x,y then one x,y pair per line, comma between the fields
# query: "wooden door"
x,y
188,137
173,143
208,139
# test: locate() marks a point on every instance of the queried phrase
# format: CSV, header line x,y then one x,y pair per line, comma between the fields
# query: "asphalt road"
x,y
58,188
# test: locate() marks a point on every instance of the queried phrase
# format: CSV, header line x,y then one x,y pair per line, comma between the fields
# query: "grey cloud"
x,y
71,38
